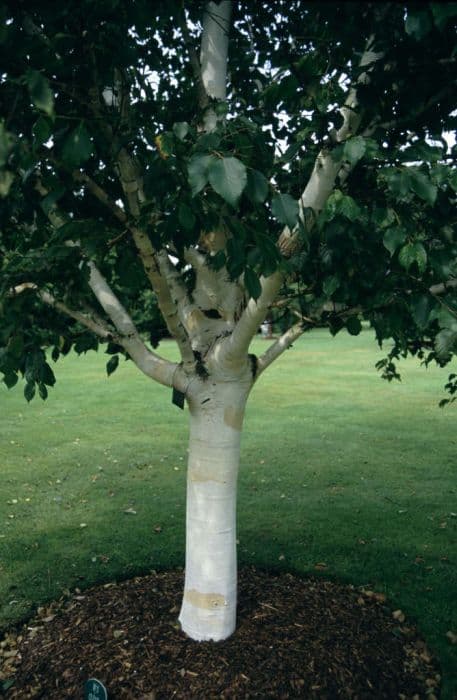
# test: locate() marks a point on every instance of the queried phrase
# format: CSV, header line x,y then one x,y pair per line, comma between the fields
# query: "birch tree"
x,y
189,170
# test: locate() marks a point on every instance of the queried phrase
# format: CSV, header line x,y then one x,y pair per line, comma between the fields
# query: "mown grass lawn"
x,y
339,469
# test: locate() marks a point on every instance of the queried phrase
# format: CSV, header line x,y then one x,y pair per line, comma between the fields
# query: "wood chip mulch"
x,y
296,638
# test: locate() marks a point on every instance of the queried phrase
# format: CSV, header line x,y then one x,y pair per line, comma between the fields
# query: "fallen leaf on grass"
x,y
130,511
399,615
378,597
452,637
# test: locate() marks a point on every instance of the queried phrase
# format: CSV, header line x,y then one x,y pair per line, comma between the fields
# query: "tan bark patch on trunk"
x,y
200,475
193,320
233,417
207,601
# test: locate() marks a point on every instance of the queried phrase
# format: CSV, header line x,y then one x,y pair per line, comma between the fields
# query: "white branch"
x,y
279,346
214,48
213,56
147,361
326,169
442,288
252,316
95,325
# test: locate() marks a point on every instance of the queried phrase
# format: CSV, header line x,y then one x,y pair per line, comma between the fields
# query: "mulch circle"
x,y
296,638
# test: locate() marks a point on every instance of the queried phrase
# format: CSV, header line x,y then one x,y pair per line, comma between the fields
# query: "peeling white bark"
x,y
213,56
148,362
214,48
252,316
216,415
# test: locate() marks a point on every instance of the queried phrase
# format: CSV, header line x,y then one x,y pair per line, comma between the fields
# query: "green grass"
x,y
337,467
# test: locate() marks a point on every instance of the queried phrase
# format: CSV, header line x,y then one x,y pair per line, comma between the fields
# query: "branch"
x,y
213,55
194,62
190,316
147,361
148,258
442,288
101,195
279,346
326,169
150,363
252,316
97,326
214,48
167,305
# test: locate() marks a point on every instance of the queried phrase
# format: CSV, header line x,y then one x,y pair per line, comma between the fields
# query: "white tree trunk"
x,y
216,415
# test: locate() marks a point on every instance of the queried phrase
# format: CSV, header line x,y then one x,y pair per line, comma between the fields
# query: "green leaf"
x,y
442,12
6,180
285,209
197,172
252,282
29,390
445,344
236,257
354,325
41,131
257,186
47,204
228,178
186,217
342,205
447,320
112,364
10,379
422,151
40,92
421,308
6,144
413,253
221,108
398,182
77,147
423,187
418,24
43,392
330,285
6,685
180,130
354,149
46,375
393,238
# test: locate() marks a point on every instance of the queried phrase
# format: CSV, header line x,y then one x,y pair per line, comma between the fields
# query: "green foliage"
x,y
83,82
413,253
256,186
227,176
40,92
252,283
285,209
77,147
112,364
197,170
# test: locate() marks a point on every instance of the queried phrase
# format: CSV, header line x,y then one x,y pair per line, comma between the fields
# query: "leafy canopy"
x,y
83,82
